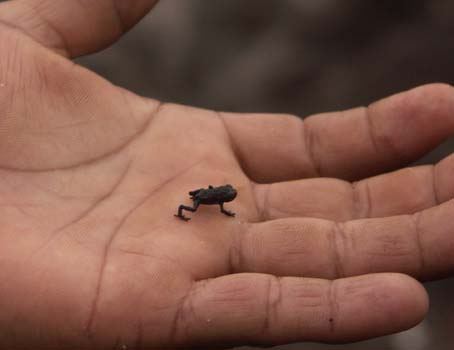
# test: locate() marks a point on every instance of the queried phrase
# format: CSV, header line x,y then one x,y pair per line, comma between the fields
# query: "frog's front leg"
x,y
226,212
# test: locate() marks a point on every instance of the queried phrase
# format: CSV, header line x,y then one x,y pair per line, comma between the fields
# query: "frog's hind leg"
x,y
226,212
185,207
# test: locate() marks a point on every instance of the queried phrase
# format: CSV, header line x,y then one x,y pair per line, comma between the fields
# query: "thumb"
x,y
55,114
74,28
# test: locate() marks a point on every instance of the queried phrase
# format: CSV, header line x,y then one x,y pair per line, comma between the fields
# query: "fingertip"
x,y
408,301
435,93
436,99
376,305
425,113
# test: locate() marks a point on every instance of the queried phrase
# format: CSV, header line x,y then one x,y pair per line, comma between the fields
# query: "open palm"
x,y
91,176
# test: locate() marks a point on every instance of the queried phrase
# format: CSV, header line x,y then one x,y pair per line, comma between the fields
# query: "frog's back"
x,y
214,195
208,196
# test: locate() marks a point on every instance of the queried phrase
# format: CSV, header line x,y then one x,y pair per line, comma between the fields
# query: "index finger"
x,y
351,144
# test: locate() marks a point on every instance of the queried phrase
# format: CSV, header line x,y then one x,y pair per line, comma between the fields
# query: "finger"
x,y
74,28
349,145
420,245
405,191
265,310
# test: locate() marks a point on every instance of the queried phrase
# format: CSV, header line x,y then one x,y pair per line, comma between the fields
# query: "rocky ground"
x,y
298,57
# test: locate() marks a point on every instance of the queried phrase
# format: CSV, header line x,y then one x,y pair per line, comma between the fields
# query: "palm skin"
x,y
96,217
91,176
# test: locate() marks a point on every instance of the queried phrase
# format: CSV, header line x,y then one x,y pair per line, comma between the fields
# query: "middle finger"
x,y
405,191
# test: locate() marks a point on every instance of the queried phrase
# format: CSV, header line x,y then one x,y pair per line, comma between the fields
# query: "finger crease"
x,y
260,202
308,138
362,200
416,219
273,299
338,239
371,130
368,202
436,197
384,141
265,214
357,202
233,146
235,259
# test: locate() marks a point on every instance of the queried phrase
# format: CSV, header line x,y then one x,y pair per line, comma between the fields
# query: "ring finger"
x,y
420,245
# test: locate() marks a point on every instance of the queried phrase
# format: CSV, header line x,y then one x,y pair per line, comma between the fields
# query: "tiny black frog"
x,y
209,196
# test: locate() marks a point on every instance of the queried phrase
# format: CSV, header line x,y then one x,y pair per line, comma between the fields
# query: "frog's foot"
x,y
228,213
182,217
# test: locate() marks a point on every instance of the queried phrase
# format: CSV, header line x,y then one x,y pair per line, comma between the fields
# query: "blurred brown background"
x,y
295,56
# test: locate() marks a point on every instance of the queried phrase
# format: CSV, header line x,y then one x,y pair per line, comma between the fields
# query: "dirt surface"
x,y
298,57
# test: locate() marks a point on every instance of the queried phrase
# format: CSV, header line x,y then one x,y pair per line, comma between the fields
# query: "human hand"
x,y
91,175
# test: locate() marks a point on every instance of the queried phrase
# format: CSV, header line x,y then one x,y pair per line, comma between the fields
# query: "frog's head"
x,y
229,193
